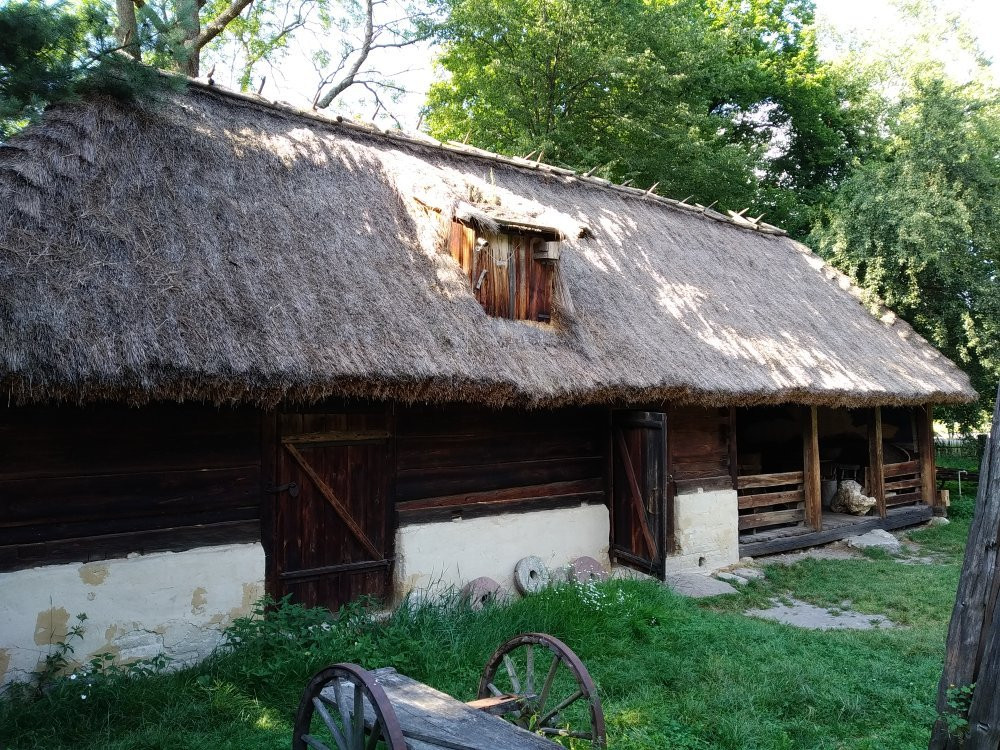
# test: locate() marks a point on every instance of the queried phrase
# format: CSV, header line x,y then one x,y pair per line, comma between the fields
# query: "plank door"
x,y
640,507
331,540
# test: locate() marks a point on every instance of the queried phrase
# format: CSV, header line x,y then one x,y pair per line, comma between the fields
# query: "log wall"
x,y
82,484
460,461
701,451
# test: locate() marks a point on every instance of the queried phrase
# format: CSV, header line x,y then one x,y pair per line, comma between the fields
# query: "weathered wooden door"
x,y
641,521
331,540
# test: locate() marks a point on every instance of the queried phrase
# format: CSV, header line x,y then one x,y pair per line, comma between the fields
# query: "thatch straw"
x,y
218,248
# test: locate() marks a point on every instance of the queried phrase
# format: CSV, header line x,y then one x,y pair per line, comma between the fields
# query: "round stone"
x,y
584,569
481,591
531,575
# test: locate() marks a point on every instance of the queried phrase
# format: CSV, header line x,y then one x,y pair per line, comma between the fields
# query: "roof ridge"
x,y
427,141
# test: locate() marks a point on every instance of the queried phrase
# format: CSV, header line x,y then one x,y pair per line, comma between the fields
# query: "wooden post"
x,y
810,469
925,447
972,651
734,462
876,473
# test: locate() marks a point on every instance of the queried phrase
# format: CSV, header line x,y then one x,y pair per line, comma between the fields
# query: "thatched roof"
x,y
218,248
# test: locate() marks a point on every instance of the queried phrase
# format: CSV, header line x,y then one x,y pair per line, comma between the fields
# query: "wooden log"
x,y
925,446
756,520
875,462
904,484
903,498
901,469
509,493
771,498
811,470
972,651
754,481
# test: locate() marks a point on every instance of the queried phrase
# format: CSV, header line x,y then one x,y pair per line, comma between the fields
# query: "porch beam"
x,y
810,469
876,462
925,448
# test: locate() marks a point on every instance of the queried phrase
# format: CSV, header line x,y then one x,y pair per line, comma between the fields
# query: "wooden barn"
x,y
246,350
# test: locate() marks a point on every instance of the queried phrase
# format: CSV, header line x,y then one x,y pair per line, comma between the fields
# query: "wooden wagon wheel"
x,y
327,719
564,703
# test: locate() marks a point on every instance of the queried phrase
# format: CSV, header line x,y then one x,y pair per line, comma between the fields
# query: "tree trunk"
x,y
127,31
973,648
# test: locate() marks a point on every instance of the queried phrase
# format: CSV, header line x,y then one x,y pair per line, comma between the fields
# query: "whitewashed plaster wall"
x,y
707,531
171,603
437,556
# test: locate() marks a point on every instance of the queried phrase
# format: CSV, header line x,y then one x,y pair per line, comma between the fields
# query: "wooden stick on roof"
x,y
653,189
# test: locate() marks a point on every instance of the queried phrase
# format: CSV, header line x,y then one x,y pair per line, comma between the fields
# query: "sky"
x,y
872,24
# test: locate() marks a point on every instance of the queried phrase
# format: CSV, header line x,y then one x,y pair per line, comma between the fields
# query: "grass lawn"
x,y
672,673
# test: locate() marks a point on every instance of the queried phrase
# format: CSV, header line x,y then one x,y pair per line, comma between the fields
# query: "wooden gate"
x,y
642,521
331,539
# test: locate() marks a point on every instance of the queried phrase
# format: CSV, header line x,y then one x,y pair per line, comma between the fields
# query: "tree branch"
x,y
218,24
363,52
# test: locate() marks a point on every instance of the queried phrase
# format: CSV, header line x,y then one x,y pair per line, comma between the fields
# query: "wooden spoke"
x,y
313,742
344,707
566,676
559,707
529,669
338,737
547,687
512,673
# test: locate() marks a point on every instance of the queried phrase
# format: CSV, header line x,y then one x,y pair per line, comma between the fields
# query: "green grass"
x,y
672,673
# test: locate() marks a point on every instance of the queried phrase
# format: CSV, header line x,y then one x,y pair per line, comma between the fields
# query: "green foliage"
x,y
723,101
51,53
959,701
916,226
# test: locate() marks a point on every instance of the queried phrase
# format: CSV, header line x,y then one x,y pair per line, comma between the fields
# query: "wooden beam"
x,y
756,520
734,461
810,469
876,468
925,446
755,481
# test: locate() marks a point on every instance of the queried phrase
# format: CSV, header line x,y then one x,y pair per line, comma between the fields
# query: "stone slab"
x,y
876,539
804,615
697,586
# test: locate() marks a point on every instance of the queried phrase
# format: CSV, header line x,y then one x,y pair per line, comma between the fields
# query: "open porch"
x,y
790,462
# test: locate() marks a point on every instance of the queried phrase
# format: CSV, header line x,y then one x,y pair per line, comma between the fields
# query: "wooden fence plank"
x,y
771,498
756,520
754,481
901,469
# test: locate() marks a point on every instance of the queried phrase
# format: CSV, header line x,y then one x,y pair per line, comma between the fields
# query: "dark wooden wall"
x,y
92,483
698,440
466,461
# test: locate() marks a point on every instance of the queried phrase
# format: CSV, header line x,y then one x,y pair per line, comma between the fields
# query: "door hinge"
x,y
291,488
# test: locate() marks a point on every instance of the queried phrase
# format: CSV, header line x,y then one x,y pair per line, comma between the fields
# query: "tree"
x,y
55,52
917,226
721,100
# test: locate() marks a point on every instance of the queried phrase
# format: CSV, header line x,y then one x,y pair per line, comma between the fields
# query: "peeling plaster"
x,y
199,598
52,626
137,606
94,574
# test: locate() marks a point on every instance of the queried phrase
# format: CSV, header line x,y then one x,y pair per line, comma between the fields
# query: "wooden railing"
x,y
770,499
903,479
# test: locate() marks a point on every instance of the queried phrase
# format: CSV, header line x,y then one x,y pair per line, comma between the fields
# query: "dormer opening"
x,y
511,267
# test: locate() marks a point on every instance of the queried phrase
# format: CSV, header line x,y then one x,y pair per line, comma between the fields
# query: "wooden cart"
x,y
532,688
